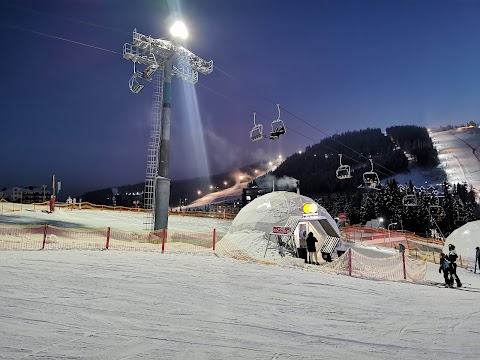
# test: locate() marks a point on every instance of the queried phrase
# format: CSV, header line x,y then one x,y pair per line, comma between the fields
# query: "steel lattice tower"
x,y
162,60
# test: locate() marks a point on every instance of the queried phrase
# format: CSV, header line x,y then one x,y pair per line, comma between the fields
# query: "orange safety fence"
x,y
28,237
6,206
53,237
388,238
397,267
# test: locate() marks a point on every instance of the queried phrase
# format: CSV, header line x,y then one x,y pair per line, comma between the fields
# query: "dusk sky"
x,y
339,65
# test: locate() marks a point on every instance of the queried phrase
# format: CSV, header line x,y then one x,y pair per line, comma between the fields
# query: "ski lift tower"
x,y
161,59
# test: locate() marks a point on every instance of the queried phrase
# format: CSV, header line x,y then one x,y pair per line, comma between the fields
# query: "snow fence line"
x,y
49,237
398,267
6,207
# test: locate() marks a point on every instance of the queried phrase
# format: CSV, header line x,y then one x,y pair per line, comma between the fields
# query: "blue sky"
x,y
338,65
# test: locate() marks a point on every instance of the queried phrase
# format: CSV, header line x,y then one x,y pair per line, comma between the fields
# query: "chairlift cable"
x,y
58,38
225,96
24,8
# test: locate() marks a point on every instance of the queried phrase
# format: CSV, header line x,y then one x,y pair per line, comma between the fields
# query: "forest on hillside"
x,y
316,167
415,141
451,206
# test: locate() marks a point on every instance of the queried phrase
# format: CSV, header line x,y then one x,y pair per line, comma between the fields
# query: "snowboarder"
x,y
445,267
312,249
477,258
302,242
452,258
401,248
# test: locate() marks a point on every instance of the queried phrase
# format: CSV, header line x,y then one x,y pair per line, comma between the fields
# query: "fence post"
x,y
214,237
461,262
404,267
44,235
350,261
108,238
164,237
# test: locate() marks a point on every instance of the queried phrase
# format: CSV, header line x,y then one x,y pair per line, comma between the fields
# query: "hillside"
x,y
315,168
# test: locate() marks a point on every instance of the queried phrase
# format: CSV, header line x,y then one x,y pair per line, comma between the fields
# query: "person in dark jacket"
x,y
445,267
477,258
452,258
312,249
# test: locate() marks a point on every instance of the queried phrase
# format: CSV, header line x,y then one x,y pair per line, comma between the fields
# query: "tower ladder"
x,y
153,147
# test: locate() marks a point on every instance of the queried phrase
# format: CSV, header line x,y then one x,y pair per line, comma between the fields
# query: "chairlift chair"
x,y
343,171
134,85
460,218
409,200
437,211
257,131
370,178
150,70
278,127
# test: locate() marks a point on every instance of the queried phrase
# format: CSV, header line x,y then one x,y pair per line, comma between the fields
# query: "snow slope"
x,y
457,151
141,305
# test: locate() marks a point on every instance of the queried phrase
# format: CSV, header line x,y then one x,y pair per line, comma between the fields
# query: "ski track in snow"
x,y
141,305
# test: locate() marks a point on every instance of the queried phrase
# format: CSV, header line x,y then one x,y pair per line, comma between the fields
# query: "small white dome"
x,y
466,238
252,226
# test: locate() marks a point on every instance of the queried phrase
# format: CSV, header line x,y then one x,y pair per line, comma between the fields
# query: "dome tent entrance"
x,y
252,226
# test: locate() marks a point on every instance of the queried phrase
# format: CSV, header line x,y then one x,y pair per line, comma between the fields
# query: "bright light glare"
x,y
380,219
179,30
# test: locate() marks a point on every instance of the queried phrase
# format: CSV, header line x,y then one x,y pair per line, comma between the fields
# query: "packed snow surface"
x,y
142,305
457,152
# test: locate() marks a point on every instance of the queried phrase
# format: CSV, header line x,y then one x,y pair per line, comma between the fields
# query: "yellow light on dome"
x,y
310,208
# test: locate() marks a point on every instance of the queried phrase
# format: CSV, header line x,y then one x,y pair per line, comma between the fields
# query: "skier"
x,y
281,246
477,258
312,249
452,258
445,267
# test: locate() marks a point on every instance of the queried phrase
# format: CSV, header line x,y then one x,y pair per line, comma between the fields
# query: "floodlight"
x,y
179,30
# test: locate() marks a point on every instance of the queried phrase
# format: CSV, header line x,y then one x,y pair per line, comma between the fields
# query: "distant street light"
x,y
388,228
199,192
225,183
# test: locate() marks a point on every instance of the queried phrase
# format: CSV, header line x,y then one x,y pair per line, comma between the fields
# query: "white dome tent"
x,y
466,239
251,228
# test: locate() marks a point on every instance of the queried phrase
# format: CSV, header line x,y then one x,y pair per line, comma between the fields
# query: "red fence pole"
x,y
44,235
214,237
108,238
350,261
164,237
404,268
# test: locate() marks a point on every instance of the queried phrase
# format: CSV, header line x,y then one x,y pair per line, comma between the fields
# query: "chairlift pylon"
x,y
278,127
370,178
257,131
343,171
